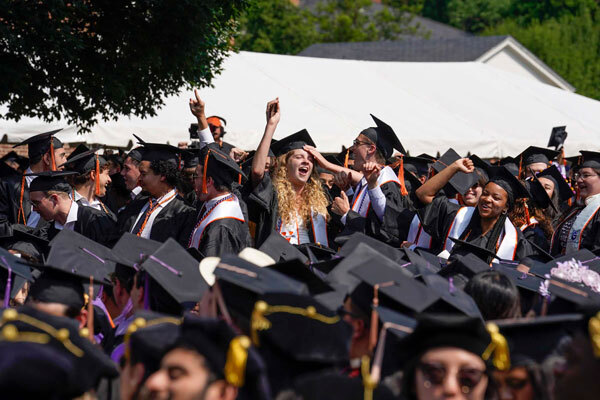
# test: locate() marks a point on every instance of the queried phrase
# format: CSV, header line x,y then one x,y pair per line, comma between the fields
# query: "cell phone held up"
x,y
194,131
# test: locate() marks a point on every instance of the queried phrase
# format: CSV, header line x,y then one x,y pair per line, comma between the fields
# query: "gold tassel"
x,y
368,383
237,356
346,158
594,331
498,348
258,321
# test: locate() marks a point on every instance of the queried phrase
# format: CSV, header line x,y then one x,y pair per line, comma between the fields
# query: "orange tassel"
x,y
204,172
403,190
21,210
52,154
562,156
346,158
239,179
97,176
527,216
520,166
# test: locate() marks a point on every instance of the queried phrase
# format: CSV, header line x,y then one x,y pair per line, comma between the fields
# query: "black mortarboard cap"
x,y
433,331
151,334
279,249
190,160
461,181
319,387
397,290
131,249
534,154
454,298
219,166
523,280
352,241
502,177
557,137
417,165
534,339
539,196
160,152
344,156
316,252
575,161
22,240
561,186
466,265
397,326
176,271
384,138
136,153
76,251
19,273
511,164
51,180
481,165
300,272
39,145
462,247
585,256
590,159
84,162
293,142
80,149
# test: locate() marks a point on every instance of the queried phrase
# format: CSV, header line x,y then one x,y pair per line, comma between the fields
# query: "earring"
x,y
465,389
427,384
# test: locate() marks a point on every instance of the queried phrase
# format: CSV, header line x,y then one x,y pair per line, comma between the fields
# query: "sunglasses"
x,y
435,373
357,143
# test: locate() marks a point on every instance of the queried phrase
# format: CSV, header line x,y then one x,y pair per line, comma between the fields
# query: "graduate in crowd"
x,y
50,195
373,197
45,153
92,180
292,200
534,160
578,227
220,227
486,225
163,214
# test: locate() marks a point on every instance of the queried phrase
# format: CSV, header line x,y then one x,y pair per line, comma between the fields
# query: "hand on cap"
x,y
238,155
341,205
343,180
464,165
273,112
371,172
316,155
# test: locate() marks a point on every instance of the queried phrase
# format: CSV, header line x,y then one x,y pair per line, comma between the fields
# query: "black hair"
x,y
495,294
166,169
125,276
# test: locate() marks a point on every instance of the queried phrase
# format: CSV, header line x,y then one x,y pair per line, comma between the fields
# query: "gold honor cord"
x,y
140,323
237,357
262,309
498,348
594,331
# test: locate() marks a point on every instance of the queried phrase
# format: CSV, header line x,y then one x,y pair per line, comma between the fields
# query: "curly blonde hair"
x,y
313,196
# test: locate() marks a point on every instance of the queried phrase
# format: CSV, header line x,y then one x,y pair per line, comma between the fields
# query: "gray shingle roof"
x,y
467,48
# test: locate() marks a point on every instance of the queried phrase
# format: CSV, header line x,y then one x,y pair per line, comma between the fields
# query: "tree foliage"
x,y
85,60
476,15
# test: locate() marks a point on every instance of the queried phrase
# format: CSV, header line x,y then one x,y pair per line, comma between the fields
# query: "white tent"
x,y
431,106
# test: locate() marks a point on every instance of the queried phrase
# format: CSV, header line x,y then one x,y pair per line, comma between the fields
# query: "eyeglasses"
x,y
37,203
357,143
578,176
435,373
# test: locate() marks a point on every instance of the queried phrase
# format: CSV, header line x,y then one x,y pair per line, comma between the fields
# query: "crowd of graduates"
x,y
206,271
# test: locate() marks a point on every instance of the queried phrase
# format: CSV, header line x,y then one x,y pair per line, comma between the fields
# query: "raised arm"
x,y
427,192
197,109
262,152
351,175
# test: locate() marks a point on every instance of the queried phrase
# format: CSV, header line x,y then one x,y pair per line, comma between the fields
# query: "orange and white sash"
x,y
227,207
291,231
508,240
532,221
361,201
417,235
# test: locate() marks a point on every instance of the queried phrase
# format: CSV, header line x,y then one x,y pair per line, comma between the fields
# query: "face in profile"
x,y
514,384
130,173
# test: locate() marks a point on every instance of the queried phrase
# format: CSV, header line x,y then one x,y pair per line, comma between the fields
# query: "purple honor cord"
x,y
167,266
93,255
8,284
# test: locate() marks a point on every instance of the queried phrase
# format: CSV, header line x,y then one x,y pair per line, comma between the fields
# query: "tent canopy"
x,y
469,106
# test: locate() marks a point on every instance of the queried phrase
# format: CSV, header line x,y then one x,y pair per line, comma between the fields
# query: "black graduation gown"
x,y
262,205
535,234
10,192
393,229
176,220
437,218
91,223
590,238
104,210
224,236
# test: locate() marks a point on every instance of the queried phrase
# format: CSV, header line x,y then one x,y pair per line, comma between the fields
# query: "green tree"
x,y
526,11
276,26
476,15
85,60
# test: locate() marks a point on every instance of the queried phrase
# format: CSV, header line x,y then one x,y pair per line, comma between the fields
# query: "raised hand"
x,y
316,155
343,180
238,155
273,112
464,165
341,205
197,105
371,173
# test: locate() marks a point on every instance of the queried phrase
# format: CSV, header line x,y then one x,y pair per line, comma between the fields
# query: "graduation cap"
x,y
464,267
502,177
148,337
319,387
510,163
80,149
20,239
585,256
539,196
219,166
50,180
344,157
300,272
590,159
561,186
11,267
229,356
190,160
84,363
454,298
316,253
462,247
460,181
293,142
129,252
39,145
523,280
557,137
533,154
160,152
279,249
482,166
384,138
354,240
534,339
176,272
85,162
136,153
575,161
13,156
417,165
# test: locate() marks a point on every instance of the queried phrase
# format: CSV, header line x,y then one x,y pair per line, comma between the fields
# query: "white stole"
x,y
532,221
581,222
417,235
362,202
508,239
228,207
291,231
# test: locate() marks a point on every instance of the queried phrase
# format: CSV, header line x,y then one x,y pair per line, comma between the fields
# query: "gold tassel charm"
x,y
594,331
259,322
237,357
498,348
368,382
